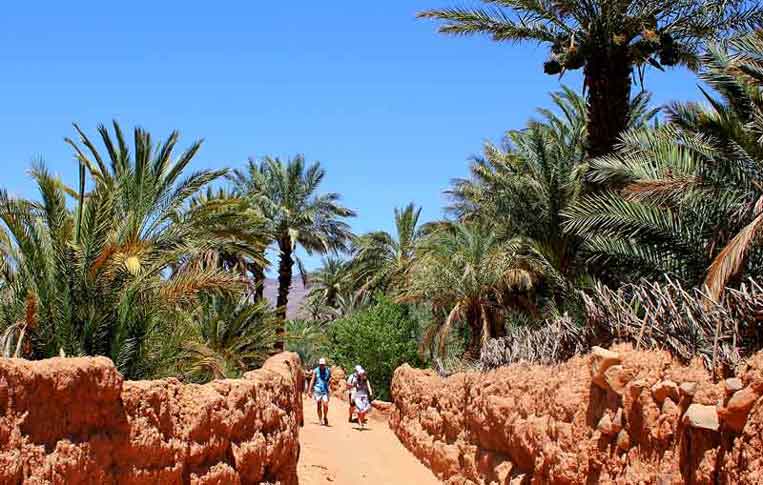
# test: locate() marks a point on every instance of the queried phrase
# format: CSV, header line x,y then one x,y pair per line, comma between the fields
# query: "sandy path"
x,y
344,455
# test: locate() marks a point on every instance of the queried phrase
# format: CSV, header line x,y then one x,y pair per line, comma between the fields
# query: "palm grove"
x,y
603,213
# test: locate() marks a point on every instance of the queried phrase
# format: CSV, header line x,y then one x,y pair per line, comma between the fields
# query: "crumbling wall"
x,y
75,421
618,416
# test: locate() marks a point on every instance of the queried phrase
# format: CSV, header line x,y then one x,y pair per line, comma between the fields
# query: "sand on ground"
x,y
342,454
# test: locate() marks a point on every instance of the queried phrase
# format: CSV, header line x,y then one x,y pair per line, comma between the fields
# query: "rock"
x,y
617,421
623,440
664,389
552,424
732,385
670,408
666,479
636,387
503,472
518,480
605,426
385,408
688,389
617,378
667,422
601,360
702,417
756,384
734,414
338,383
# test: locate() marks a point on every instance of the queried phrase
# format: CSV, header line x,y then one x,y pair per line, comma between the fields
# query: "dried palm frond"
x,y
650,315
555,341
687,323
730,261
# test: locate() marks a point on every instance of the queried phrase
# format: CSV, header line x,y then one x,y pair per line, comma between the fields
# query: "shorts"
x,y
362,403
321,396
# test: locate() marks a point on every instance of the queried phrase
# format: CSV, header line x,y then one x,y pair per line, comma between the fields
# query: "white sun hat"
x,y
359,369
321,361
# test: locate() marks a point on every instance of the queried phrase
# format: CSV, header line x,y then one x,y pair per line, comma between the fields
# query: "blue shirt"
x,y
321,385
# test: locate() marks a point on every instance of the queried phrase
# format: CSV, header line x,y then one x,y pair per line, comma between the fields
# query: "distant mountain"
x,y
297,294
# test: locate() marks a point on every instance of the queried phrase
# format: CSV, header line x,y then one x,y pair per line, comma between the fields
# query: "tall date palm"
x,y
286,192
607,39
691,204
381,259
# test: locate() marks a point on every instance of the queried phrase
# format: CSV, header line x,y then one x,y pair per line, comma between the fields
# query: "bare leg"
x,y
320,412
325,413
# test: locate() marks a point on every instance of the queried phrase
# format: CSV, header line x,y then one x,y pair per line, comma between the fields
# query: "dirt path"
x,y
344,455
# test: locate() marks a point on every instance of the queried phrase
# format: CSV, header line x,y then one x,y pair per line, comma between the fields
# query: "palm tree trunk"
x,y
474,346
608,80
331,298
285,265
258,277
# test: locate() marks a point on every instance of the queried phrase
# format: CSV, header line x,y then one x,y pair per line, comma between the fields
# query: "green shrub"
x,y
380,338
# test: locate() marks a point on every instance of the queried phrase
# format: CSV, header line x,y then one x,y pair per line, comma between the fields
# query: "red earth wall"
x,y
618,416
75,421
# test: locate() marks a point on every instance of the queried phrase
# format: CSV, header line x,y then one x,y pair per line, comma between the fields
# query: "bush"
x,y
380,338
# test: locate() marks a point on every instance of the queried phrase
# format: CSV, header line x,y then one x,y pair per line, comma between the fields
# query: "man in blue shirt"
x,y
319,389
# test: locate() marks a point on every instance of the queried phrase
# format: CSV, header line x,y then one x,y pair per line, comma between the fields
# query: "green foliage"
x,y
522,188
380,259
653,31
329,285
469,276
227,337
105,277
519,190
307,338
162,270
689,200
380,338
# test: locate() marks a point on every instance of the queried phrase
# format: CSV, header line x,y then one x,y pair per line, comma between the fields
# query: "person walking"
x,y
319,389
362,395
350,391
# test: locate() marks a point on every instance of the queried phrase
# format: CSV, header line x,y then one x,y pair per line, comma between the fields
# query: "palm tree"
x,y
105,277
465,272
380,260
607,39
242,180
329,281
307,338
228,337
245,253
520,186
692,195
522,189
286,195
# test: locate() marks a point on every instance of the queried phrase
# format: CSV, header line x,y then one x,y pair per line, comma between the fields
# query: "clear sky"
x,y
390,108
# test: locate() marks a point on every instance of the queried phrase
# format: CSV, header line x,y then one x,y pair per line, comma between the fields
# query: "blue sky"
x,y
390,108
